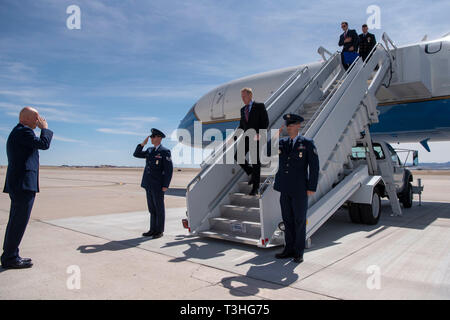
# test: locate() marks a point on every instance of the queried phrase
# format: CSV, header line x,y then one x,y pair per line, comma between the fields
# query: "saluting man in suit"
x,y
253,116
155,180
22,181
349,40
296,179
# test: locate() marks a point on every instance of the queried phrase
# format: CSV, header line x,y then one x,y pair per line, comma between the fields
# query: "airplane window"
x,y
433,47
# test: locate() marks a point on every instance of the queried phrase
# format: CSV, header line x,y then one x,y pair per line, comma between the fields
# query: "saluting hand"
x,y
281,129
145,141
42,123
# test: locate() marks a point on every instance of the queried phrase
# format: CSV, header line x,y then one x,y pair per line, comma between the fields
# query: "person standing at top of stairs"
x,y
367,41
297,157
253,116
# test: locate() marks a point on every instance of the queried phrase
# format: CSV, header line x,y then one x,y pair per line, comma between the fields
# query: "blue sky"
x,y
135,65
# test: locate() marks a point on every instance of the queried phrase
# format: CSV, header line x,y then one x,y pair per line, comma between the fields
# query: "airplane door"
x,y
217,106
398,169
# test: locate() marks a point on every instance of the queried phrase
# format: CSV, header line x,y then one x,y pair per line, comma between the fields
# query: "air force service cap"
x,y
291,118
157,133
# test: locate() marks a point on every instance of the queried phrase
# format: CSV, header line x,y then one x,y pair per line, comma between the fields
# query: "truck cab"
x,y
390,168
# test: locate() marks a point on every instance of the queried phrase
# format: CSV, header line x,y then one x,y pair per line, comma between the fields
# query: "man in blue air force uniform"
x,y
296,179
22,181
155,180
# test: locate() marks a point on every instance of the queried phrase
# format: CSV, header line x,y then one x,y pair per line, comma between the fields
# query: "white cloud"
x,y
138,119
16,71
64,139
118,132
10,106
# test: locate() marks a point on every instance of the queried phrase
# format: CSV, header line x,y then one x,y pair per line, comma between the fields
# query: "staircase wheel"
x,y
370,213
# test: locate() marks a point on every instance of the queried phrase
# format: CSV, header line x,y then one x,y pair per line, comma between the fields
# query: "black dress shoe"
x,y
158,235
298,259
148,234
18,264
25,259
254,191
284,255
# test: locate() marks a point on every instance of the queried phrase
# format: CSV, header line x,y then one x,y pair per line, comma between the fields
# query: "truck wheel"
x,y
407,198
370,213
353,212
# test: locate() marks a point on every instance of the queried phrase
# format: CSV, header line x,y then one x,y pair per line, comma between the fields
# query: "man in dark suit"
x,y
22,181
349,40
253,116
155,180
366,42
296,179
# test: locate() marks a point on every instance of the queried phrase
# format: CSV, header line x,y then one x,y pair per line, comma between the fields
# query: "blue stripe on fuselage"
x,y
414,116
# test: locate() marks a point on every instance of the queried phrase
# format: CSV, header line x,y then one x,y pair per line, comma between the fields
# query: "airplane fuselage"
x,y
414,103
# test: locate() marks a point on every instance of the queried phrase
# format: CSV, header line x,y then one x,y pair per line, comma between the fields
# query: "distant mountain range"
x,y
433,166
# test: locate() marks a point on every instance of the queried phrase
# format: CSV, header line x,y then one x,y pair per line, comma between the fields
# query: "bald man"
x,y
22,181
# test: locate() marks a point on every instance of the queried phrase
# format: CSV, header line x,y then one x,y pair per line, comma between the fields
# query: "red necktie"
x,y
246,113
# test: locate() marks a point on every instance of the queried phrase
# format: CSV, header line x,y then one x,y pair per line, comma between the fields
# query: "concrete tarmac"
x,y
87,223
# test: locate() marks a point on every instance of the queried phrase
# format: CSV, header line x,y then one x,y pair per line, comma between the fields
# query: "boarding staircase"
x,y
338,108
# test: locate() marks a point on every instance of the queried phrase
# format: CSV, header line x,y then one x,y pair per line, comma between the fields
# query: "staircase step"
x,y
308,113
311,105
242,199
240,212
244,187
236,227
230,237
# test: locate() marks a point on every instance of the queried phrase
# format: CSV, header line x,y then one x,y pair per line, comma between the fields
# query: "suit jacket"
x,y
158,167
298,169
23,158
354,43
366,43
257,119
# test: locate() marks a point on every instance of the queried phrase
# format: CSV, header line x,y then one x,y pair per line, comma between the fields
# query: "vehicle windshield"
x,y
394,155
359,152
